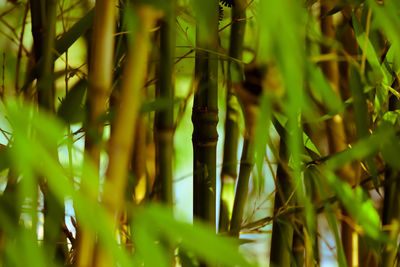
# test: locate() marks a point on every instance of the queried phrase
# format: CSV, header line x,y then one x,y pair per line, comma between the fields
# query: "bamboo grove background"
x,y
199,133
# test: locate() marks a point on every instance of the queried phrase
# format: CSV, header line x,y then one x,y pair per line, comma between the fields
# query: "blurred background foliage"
x,y
199,133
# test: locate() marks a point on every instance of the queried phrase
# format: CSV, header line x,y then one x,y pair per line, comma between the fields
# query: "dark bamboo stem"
x,y
282,230
298,247
391,212
391,216
205,116
235,73
164,121
249,93
242,186
43,14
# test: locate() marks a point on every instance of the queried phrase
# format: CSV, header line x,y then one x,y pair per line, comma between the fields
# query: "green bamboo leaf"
x,y
360,207
331,217
71,109
34,255
386,18
149,249
391,63
261,139
308,143
372,58
381,102
322,90
392,117
390,150
31,155
199,239
361,116
280,125
363,148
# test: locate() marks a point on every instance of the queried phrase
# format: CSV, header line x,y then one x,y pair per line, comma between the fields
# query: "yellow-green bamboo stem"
x,y
138,162
100,81
100,74
123,134
337,138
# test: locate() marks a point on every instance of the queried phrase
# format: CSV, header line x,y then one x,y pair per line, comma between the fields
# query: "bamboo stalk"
x,y
337,137
100,81
246,167
164,119
282,230
248,94
48,30
298,247
391,216
43,14
138,162
391,213
205,117
235,73
123,135
100,74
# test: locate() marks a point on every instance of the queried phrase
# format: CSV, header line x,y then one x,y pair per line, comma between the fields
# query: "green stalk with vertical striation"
x,y
249,92
205,112
100,81
164,119
242,186
391,216
43,14
126,117
235,75
391,211
282,229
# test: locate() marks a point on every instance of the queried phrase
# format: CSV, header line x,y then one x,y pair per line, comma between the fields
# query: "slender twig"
x,y
364,53
21,39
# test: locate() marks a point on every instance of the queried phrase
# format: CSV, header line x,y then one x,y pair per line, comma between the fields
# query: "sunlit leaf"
x,y
359,206
195,238
322,89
